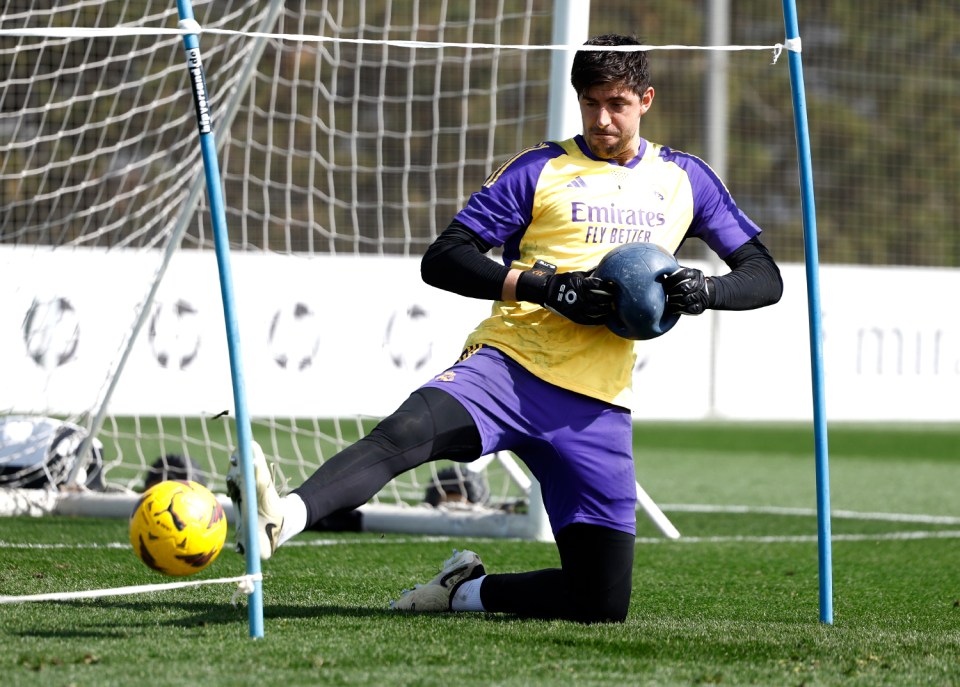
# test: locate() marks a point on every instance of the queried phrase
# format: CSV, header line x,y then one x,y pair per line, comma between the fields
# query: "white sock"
x,y
294,517
467,596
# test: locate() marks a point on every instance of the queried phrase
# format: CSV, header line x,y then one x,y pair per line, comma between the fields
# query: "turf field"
x,y
734,602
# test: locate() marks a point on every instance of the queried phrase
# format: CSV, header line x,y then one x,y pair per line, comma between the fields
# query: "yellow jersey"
x,y
558,202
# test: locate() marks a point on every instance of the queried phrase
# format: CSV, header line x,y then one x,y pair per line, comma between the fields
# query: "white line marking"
x,y
835,514
675,507
725,539
806,538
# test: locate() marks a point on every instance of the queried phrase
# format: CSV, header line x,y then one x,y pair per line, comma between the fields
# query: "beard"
x,y
609,145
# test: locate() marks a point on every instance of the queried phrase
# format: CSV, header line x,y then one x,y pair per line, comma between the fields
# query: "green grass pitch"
x,y
734,602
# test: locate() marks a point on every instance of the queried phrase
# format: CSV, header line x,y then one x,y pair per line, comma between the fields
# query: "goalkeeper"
x,y
542,376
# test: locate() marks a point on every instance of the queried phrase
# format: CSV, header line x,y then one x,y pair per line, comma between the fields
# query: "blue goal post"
x,y
218,218
812,266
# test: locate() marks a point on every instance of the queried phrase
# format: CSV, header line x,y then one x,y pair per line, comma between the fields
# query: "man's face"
x,y
611,120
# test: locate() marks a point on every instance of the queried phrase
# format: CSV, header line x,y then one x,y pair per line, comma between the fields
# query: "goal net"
x,y
349,133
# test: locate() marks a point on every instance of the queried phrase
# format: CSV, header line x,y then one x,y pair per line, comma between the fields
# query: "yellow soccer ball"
x,y
178,527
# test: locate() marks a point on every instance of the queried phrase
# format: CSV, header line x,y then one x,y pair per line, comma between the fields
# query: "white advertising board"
x,y
344,335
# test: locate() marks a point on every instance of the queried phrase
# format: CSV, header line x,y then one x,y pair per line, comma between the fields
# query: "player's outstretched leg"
x,y
435,595
269,508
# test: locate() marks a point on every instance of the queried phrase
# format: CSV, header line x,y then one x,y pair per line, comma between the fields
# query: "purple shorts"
x,y
580,449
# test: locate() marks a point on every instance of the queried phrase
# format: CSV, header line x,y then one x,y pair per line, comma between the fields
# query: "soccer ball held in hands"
x,y
637,269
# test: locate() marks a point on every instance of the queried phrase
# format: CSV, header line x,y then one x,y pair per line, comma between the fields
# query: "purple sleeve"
x,y
716,218
503,207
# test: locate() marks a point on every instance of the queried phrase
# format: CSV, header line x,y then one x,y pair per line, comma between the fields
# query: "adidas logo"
x,y
578,182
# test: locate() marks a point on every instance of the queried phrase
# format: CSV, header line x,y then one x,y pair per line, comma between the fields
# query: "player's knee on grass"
x,y
598,571
593,586
603,606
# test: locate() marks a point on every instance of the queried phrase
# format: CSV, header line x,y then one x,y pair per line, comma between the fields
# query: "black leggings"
x,y
595,580
429,425
593,585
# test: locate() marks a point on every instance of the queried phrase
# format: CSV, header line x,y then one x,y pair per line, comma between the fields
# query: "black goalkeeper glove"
x,y
688,292
578,296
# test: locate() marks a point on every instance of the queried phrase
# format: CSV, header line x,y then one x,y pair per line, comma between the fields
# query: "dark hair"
x,y
626,67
